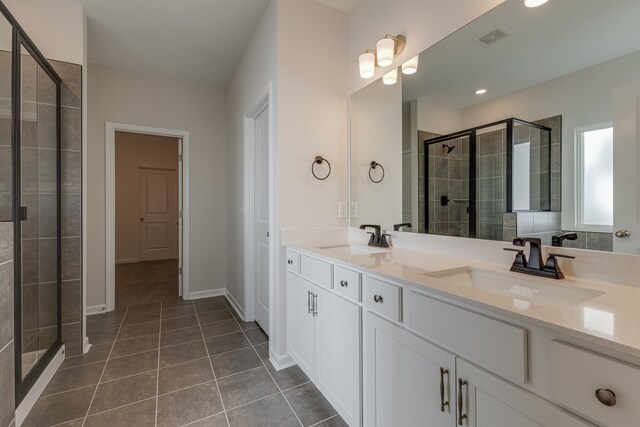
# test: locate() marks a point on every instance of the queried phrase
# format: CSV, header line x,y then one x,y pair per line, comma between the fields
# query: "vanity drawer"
x,y
495,345
318,271
293,261
346,282
577,374
384,298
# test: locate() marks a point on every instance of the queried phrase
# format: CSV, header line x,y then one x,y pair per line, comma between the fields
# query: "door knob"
x,y
623,234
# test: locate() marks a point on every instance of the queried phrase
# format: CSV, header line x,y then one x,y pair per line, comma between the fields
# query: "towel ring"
x,y
318,161
375,165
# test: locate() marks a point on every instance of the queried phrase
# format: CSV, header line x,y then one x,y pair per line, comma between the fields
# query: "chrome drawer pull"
x,y
377,298
290,261
344,283
606,397
309,309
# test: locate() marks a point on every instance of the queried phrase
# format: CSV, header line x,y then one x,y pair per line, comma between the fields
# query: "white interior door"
x,y
262,189
158,220
626,214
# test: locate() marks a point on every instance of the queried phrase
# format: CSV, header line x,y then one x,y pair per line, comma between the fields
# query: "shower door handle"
x,y
23,213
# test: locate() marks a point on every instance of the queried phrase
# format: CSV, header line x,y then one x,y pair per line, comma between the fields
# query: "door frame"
x,y
263,102
110,170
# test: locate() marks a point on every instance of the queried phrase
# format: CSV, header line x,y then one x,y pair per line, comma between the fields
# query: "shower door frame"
x,y
21,40
472,133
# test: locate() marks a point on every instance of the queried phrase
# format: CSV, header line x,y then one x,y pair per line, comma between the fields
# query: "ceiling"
x,y
343,5
197,40
545,43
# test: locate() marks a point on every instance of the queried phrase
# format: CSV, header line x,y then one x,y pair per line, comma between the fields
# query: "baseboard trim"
x,y
96,309
281,362
206,294
126,261
86,345
235,305
30,399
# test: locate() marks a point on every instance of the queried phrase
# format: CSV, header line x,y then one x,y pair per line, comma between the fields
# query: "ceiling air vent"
x,y
493,36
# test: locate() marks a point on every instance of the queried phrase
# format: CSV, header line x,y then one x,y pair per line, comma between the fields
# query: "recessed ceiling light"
x,y
480,92
534,3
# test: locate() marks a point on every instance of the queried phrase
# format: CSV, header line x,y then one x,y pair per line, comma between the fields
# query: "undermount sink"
x,y
523,290
352,249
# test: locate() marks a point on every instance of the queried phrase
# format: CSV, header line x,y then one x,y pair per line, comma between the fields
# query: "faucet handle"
x,y
561,256
521,260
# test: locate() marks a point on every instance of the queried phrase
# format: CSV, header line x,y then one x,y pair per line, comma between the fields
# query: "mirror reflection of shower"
x,y
447,149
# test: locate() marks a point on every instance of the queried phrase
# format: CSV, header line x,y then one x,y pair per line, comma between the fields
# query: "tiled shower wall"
x,y
491,172
448,176
7,354
71,133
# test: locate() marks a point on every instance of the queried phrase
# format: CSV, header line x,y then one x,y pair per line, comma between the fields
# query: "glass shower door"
x,y
38,214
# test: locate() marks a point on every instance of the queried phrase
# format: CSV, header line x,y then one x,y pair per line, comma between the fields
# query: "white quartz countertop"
x,y
610,317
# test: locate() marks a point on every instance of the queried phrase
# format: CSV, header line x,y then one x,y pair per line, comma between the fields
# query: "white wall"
x,y
582,98
300,47
257,68
55,26
125,97
423,22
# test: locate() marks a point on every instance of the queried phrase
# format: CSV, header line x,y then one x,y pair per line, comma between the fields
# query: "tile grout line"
x,y
265,366
103,370
224,409
158,365
322,421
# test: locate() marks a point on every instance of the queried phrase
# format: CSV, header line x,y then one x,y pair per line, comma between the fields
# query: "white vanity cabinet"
x,y
301,323
484,400
407,380
324,338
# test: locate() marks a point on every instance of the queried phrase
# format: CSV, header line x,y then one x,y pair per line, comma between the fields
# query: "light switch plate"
x,y
343,209
354,210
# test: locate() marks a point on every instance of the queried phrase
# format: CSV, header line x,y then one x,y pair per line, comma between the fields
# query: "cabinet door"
x,y
402,378
487,401
301,334
338,354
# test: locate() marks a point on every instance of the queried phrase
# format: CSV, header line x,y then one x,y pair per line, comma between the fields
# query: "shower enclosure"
x,y
474,176
30,96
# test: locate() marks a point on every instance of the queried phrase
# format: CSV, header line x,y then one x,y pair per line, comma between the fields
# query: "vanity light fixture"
x,y
388,48
411,66
480,91
367,63
534,3
391,77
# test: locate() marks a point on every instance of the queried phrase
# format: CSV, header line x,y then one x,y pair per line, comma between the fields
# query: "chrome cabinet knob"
x,y
290,261
377,298
344,283
623,234
606,397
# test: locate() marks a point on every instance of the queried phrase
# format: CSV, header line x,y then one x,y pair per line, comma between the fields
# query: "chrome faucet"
x,y
377,239
535,265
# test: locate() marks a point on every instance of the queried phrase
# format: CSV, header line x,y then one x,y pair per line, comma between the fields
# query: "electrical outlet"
x,y
343,210
354,210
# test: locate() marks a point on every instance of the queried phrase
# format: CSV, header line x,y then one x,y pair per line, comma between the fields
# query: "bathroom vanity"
x,y
402,337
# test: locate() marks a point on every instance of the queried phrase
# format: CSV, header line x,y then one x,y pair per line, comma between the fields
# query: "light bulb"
x,y
411,66
391,77
367,65
480,91
534,3
385,49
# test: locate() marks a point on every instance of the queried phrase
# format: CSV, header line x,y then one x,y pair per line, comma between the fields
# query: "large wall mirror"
x,y
522,123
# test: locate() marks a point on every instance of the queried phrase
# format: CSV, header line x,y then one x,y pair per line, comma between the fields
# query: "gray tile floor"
x,y
177,363
144,282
